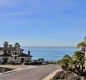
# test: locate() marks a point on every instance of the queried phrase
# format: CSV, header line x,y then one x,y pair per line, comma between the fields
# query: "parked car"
x,y
26,62
44,63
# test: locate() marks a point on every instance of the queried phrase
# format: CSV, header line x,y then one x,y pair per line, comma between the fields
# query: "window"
x,y
8,51
15,53
15,57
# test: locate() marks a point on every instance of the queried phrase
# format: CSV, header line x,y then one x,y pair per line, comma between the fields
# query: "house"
x,y
10,54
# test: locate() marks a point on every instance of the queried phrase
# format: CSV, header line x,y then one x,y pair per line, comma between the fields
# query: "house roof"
x,y
9,55
25,55
13,49
10,49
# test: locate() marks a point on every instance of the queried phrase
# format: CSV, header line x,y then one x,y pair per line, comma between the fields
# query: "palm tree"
x,y
5,44
74,64
82,45
17,45
65,62
67,57
78,55
10,46
78,62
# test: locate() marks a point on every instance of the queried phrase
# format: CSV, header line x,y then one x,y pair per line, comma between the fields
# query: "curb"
x,y
18,69
50,76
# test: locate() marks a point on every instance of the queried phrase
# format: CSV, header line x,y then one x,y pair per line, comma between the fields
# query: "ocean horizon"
x,y
49,53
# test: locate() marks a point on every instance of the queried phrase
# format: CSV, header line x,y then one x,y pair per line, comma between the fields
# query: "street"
x,y
36,73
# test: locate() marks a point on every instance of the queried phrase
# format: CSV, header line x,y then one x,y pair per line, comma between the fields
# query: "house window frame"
x,y
15,53
15,58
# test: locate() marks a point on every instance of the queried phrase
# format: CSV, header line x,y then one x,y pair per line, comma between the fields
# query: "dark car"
x,y
26,63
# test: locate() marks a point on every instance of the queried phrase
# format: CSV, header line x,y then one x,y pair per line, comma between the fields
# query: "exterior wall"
x,y
1,52
13,58
26,58
1,59
30,59
15,55
8,61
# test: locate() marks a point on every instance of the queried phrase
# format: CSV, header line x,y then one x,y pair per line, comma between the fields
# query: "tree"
x,y
65,62
17,45
10,46
78,62
5,44
82,45
74,64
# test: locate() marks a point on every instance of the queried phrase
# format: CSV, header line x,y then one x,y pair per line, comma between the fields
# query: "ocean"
x,y
49,53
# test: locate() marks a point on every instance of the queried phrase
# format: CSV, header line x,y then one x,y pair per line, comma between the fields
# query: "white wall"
x,y
9,60
1,52
12,59
25,58
1,59
30,59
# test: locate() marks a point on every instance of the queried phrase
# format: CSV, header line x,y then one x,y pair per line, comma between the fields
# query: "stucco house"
x,y
10,54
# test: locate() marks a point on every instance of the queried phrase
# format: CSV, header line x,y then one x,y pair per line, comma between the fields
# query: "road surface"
x,y
36,73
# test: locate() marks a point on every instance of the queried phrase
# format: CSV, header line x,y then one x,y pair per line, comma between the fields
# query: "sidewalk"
x,y
16,66
50,76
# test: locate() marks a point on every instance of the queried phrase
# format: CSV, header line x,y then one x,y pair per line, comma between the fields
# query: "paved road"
x,y
36,73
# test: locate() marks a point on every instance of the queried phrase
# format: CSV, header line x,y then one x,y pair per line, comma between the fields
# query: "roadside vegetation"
x,y
74,67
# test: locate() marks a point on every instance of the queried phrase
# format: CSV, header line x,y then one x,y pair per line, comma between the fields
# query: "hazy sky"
x,y
42,22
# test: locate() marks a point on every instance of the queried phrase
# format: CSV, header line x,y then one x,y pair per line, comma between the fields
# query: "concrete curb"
x,y
18,69
50,76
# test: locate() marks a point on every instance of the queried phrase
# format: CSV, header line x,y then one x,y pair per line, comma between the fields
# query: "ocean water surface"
x,y
49,53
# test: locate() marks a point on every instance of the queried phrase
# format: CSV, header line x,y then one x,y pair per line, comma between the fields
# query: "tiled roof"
x,y
10,49
9,55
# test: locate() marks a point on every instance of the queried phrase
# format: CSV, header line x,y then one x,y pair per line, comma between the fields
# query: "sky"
x,y
43,22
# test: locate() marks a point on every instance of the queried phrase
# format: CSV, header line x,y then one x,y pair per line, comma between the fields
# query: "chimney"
x,y
28,53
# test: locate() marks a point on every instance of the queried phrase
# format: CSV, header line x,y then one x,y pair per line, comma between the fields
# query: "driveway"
x,y
36,73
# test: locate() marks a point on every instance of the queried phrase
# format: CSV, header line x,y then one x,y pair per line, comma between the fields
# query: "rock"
x,y
68,75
